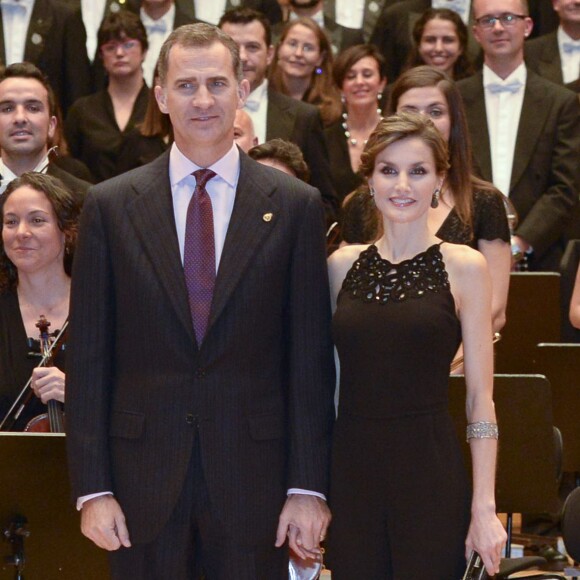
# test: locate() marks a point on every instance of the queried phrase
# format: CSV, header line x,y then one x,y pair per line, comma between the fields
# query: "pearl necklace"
x,y
351,140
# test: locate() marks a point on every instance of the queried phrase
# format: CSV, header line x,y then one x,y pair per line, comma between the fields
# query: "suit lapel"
x,y
532,120
475,106
253,219
38,31
151,213
550,63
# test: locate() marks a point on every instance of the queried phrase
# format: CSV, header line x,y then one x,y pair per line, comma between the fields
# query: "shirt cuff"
x,y
81,500
297,491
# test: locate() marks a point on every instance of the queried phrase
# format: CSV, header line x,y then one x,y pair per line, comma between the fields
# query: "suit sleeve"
x,y
89,357
311,366
546,220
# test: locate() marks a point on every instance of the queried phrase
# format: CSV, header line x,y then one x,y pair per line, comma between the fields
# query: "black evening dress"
x,y
400,493
19,354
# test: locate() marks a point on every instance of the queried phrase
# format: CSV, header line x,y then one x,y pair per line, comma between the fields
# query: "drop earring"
x,y
371,191
435,198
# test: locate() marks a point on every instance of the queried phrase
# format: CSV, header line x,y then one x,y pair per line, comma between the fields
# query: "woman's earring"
x,y
318,70
371,191
342,99
435,198
379,97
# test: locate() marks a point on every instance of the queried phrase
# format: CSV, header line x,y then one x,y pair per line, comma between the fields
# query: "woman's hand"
x,y
487,537
48,383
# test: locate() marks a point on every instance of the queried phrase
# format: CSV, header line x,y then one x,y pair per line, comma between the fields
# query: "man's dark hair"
x,y
26,70
283,152
120,26
244,15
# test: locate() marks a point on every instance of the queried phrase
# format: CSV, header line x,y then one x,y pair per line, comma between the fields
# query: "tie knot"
x,y
202,176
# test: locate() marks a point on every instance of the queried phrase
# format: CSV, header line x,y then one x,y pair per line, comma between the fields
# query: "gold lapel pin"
x,y
267,217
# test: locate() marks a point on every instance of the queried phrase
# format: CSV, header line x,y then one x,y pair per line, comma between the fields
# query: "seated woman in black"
x,y
39,227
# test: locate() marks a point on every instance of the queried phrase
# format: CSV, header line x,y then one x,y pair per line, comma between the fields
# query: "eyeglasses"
x,y
112,47
507,19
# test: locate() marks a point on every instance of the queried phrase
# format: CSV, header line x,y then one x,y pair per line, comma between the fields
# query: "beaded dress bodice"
x,y
396,332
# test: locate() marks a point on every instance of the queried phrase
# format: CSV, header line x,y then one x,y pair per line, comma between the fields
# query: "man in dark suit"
x,y
393,33
556,56
54,42
201,401
28,125
525,132
276,115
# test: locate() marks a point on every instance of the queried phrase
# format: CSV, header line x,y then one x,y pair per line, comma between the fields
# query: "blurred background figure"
x,y
212,11
282,155
302,67
244,134
96,125
359,75
440,40
39,228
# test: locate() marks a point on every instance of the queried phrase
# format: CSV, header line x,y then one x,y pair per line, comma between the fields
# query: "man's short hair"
x,y
284,152
26,70
199,35
120,26
245,15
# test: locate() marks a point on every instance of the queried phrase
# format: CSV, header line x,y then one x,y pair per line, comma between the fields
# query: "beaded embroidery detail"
x,y
374,279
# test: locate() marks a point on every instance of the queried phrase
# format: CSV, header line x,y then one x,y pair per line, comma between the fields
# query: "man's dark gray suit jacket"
x,y
257,393
545,177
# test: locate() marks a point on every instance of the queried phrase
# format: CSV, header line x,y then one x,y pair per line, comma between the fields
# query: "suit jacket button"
x,y
191,419
200,374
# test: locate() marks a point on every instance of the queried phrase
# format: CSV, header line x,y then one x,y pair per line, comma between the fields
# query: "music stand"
x,y
35,492
532,316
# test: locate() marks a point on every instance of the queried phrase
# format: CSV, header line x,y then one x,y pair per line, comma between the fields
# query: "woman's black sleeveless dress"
x,y
399,489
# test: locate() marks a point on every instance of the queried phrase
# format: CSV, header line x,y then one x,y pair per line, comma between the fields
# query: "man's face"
x,y
201,95
26,125
568,11
256,55
501,40
244,135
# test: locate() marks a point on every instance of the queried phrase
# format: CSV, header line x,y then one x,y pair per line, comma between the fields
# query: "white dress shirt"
x,y
569,56
209,10
350,13
222,192
15,21
462,7
257,107
7,175
93,12
503,111
157,33
318,17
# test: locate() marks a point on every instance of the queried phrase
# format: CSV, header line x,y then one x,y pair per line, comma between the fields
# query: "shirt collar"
x,y
519,74
26,4
168,18
259,93
318,17
181,167
564,37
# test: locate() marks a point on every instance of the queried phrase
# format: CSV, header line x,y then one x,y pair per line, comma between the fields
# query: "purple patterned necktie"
x,y
199,253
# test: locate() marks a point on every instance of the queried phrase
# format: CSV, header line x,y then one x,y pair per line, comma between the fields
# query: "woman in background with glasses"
x,y
97,124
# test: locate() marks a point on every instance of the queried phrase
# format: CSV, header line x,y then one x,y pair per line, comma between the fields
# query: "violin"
x,y
53,421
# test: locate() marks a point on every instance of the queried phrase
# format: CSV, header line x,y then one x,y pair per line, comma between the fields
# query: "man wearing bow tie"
x,y
52,37
160,18
556,56
525,132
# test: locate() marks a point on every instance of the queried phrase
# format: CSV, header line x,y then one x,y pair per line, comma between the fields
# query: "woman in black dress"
x,y
470,211
399,491
39,227
359,74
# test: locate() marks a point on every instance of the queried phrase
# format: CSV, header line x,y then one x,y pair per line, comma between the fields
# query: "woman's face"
x,y
31,237
299,54
404,179
363,83
429,101
439,46
122,57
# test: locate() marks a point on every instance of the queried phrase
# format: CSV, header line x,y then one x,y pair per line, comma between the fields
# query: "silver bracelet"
x,y
482,430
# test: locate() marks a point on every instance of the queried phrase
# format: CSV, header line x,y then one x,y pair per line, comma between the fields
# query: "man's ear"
x,y
52,128
160,97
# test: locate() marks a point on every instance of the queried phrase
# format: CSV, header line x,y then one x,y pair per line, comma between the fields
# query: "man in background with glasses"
x,y
525,132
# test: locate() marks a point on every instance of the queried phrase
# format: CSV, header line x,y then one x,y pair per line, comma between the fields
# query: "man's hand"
x,y
304,519
103,522
48,383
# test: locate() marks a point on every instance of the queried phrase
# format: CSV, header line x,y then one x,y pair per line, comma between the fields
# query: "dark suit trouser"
x,y
193,545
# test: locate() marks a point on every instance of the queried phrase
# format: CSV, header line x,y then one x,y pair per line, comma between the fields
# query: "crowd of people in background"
x,y
445,135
